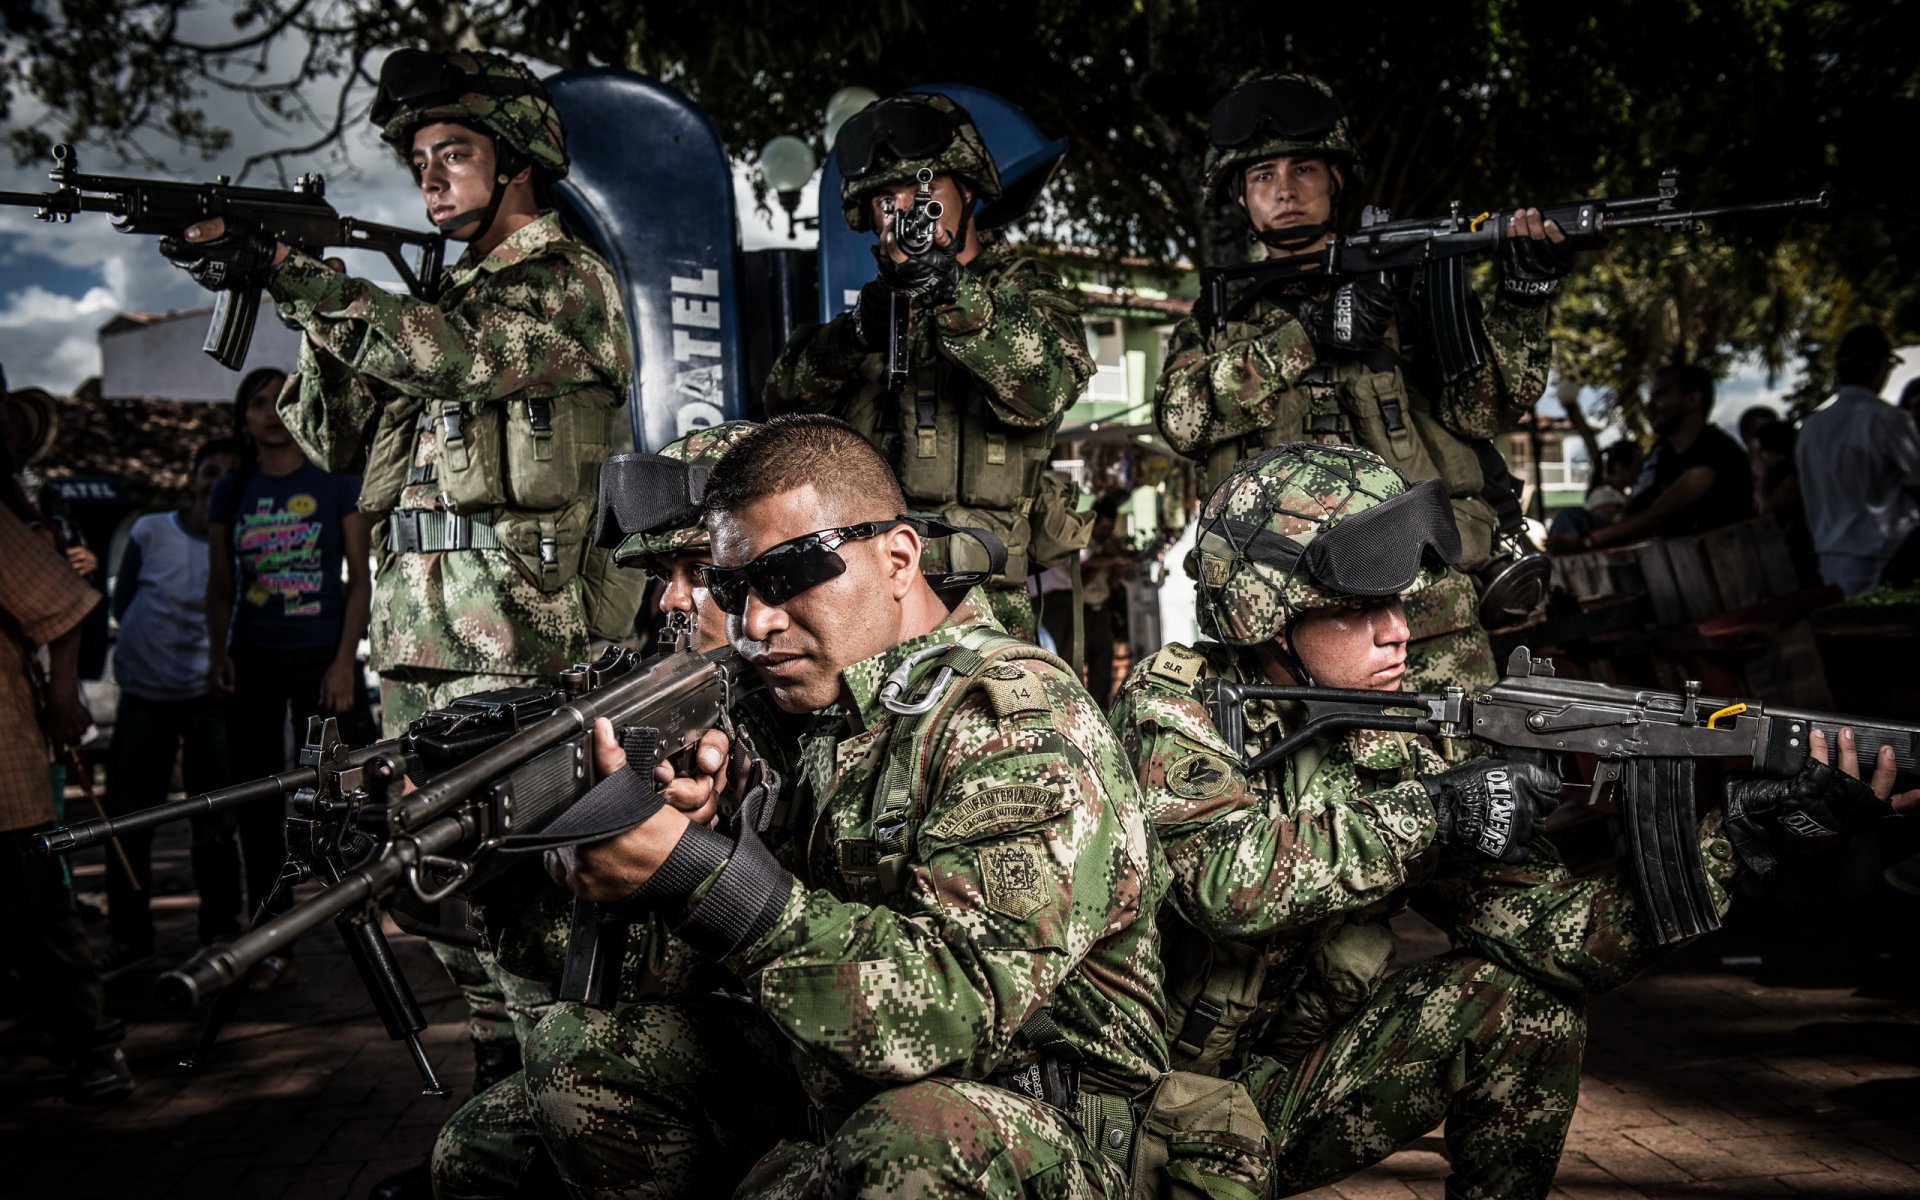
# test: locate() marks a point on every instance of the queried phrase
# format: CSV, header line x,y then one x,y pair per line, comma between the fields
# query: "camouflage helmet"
x,y
489,91
703,448
1304,527
870,147
1276,114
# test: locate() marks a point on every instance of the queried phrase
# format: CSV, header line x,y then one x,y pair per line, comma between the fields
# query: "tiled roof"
x,y
148,443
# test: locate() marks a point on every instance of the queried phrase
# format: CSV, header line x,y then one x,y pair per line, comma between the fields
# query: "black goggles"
x,y
424,79
905,130
646,493
1375,553
1285,107
783,572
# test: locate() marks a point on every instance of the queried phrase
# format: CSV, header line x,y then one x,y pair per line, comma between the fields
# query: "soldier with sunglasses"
x,y
1337,361
944,921
995,349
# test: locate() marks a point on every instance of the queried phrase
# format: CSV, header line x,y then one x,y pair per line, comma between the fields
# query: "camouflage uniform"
x,y
491,1147
1278,943
1014,933
994,369
1259,381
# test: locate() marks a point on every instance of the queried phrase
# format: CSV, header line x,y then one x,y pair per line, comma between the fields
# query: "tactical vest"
x,y
956,459
1223,997
1368,401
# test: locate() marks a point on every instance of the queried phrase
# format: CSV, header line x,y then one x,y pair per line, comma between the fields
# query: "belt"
x,y
426,530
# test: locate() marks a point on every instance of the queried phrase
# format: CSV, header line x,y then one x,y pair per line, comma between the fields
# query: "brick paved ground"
x,y
1700,1082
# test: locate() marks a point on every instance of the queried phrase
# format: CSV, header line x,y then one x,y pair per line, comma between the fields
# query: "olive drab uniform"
x,y
964,976
970,434
1277,943
1223,396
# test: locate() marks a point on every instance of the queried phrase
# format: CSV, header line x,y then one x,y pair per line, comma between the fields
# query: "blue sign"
x,y
652,189
1026,160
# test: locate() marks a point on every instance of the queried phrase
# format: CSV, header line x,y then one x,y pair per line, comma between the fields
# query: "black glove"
x,y
1493,806
1812,809
240,259
930,276
1532,269
871,315
1354,317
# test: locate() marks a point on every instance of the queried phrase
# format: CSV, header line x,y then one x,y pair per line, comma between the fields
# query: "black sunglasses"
x,y
1287,107
786,570
904,129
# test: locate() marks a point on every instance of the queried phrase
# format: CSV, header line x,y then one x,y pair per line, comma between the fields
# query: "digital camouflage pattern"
x,y
1290,877
1336,144
1298,492
541,315
703,448
524,119
1029,887
1004,360
966,157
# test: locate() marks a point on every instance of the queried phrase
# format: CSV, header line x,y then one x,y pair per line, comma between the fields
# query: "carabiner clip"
x,y
897,682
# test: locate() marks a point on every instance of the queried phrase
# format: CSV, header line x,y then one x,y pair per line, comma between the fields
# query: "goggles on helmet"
x,y
783,572
643,493
424,79
1374,553
1287,108
904,129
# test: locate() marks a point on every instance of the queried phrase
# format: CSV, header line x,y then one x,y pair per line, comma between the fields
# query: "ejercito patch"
x,y
994,810
1012,880
1200,776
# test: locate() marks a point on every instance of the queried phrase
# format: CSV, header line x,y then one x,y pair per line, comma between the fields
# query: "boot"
x,y
492,1062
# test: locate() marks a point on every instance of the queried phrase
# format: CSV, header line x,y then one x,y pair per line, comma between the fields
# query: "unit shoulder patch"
x,y
1012,880
1012,690
994,810
1199,776
1177,664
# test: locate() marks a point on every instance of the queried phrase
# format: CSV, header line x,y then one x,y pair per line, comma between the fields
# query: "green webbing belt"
x,y
423,530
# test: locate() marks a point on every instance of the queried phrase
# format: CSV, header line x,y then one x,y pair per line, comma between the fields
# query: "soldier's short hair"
x,y
792,451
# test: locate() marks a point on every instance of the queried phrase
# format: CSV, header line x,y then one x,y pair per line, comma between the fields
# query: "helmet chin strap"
x,y
485,213
1296,237
1284,653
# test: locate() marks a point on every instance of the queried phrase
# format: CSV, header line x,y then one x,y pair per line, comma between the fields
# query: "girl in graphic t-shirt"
x,y
283,625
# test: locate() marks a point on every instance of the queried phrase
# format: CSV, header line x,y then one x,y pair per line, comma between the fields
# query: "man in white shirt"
x,y
1859,461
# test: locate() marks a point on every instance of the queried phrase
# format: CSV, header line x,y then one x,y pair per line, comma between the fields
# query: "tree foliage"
x,y
1490,102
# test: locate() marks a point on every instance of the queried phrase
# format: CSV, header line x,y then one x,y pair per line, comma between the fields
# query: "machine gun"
x,y
299,217
494,770
1530,713
914,232
1427,259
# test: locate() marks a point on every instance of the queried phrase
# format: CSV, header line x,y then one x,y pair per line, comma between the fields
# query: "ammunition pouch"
x,y
1198,1138
1213,991
1060,530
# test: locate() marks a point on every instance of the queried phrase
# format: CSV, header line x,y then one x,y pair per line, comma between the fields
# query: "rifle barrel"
x,y
1791,203
70,838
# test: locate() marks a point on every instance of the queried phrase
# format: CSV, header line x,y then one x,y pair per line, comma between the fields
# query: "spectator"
x,y
1572,525
1859,460
1105,566
1620,465
1752,420
281,528
167,710
42,602
1698,478
1910,398
1777,491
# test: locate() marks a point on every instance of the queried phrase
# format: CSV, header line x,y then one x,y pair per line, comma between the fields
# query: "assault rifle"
x,y
1530,713
1427,258
913,231
300,217
494,770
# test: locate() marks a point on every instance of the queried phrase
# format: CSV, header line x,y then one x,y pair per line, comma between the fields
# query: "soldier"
x,y
995,351
1337,361
492,1146
1277,943
491,409
950,939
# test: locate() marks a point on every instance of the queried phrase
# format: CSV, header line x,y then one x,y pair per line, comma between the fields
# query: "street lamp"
x,y
787,162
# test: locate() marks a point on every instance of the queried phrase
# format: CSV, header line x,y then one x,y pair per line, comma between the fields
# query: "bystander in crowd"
x,y
1859,461
1697,478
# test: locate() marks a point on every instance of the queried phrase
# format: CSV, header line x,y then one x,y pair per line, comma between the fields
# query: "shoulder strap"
x,y
957,669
